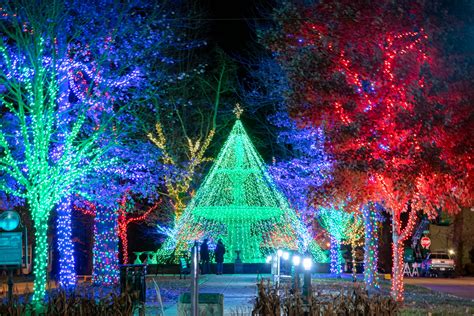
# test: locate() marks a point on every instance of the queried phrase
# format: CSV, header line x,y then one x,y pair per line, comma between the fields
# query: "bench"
x,y
183,268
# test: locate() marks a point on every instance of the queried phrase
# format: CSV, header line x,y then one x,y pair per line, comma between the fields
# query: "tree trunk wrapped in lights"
x,y
67,273
399,236
371,247
355,238
239,203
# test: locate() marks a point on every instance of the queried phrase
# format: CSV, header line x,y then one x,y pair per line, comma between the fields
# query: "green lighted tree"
x,y
337,222
239,203
30,87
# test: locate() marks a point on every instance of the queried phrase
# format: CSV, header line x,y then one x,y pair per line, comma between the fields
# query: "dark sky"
x,y
234,34
228,25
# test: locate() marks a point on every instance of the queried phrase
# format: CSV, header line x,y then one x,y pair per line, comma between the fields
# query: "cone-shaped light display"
x,y
239,203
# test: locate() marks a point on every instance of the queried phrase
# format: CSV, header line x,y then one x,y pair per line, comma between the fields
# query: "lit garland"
x,y
371,254
178,185
239,203
336,221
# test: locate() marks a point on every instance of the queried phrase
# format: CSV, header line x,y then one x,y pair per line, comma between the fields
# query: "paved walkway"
x,y
239,291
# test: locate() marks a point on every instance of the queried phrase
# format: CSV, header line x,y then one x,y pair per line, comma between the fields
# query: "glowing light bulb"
x,y
307,264
296,260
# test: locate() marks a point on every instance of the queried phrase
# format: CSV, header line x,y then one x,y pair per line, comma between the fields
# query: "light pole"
x,y
278,257
307,290
296,260
194,280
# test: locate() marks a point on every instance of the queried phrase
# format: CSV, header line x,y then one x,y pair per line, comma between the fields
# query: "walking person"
x,y
219,254
204,250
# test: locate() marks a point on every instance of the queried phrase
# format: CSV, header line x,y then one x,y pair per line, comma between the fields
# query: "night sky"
x,y
230,24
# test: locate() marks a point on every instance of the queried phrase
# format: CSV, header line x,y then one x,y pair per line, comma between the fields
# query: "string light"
x,y
239,203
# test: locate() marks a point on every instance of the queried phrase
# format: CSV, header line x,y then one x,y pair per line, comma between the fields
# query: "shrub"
x,y
272,301
72,303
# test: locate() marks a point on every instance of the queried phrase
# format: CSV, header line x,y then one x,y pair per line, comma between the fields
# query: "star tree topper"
x,y
238,111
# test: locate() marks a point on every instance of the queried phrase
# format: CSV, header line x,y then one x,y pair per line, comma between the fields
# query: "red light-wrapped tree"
x,y
127,215
398,120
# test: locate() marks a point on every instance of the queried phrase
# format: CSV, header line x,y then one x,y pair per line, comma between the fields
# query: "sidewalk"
x,y
239,292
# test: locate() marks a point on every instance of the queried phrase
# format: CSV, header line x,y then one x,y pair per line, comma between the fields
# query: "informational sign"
x,y
425,242
11,248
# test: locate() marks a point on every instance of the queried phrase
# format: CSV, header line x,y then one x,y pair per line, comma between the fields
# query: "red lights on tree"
x,y
395,115
126,218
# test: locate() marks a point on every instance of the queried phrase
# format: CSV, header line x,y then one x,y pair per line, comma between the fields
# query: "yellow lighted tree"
x,y
355,238
178,187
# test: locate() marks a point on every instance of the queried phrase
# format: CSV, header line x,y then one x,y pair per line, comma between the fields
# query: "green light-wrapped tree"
x,y
29,89
239,203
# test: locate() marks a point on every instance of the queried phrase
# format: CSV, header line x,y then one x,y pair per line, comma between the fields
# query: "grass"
x,y
419,300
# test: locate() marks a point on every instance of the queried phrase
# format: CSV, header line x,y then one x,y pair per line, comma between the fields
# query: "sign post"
x,y
11,245
425,242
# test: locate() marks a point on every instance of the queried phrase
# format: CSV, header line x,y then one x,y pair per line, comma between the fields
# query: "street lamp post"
x,y
278,259
194,280
296,260
307,290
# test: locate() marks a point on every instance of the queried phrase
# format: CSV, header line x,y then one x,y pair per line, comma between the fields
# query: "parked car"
x,y
438,264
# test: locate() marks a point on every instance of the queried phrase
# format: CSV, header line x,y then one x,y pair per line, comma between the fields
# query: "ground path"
x,y
239,291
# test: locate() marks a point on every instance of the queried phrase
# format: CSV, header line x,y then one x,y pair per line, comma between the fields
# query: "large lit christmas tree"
x,y
239,203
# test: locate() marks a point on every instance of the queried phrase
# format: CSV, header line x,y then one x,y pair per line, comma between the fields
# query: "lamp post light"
x,y
307,290
269,259
195,279
278,256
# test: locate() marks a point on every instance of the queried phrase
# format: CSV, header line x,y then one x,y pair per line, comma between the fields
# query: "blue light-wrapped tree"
x,y
140,40
304,164
307,167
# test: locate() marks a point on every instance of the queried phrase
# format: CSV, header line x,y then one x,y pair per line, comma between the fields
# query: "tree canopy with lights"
x,y
396,117
29,75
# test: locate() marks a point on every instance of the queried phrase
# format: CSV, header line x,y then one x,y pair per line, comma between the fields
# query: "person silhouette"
x,y
204,250
219,255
